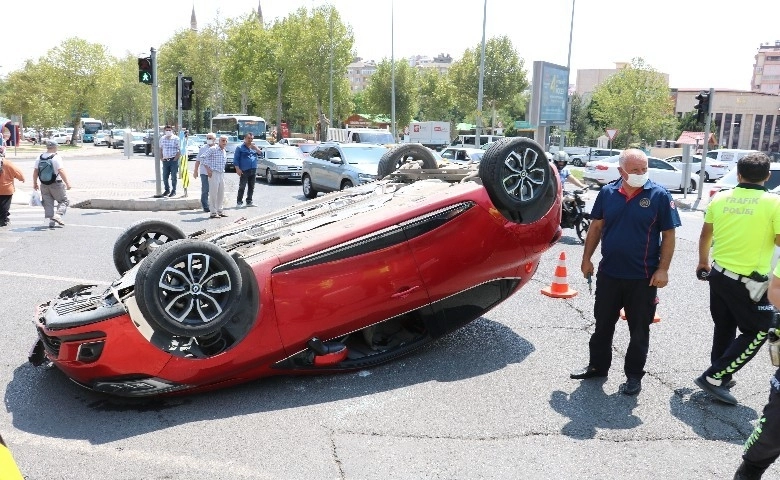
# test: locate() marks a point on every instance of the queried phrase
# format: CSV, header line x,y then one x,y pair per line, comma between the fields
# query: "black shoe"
x,y
719,392
239,203
250,204
166,193
587,372
632,386
173,194
748,472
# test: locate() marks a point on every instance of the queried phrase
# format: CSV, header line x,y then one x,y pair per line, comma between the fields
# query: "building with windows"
x,y
766,70
747,120
358,73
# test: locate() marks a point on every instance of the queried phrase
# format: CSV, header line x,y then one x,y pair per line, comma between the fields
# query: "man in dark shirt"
x,y
634,220
245,162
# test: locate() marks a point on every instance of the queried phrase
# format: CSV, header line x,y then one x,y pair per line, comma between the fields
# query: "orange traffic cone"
x,y
656,318
560,285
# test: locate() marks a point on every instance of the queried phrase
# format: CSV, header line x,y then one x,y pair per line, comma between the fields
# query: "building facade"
x,y
766,70
358,73
747,120
590,78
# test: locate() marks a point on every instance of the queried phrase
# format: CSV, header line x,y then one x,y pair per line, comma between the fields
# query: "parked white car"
x,y
462,154
61,138
663,173
714,169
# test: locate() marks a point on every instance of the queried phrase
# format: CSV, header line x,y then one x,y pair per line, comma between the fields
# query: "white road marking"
x,y
52,277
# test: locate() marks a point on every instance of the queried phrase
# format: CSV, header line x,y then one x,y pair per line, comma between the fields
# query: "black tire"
x,y
582,227
346,184
308,188
693,184
269,176
140,239
188,288
519,179
393,159
577,162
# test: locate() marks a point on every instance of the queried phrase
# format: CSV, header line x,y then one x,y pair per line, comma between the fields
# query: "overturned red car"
x,y
341,282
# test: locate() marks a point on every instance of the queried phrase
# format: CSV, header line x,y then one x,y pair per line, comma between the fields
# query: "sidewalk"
x,y
102,179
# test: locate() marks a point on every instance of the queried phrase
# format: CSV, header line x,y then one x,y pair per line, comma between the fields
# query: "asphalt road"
x,y
493,400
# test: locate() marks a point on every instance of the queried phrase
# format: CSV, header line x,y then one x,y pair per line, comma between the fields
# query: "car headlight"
x,y
365,177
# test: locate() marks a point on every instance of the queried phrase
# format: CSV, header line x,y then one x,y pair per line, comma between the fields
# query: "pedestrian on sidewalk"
x,y
742,225
8,172
634,220
200,171
245,162
215,160
170,148
48,168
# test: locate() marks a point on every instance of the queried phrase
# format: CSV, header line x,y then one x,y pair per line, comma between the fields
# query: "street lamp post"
x,y
477,141
568,79
392,69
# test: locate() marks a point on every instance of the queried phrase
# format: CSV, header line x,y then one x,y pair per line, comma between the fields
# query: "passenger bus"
x,y
90,126
238,125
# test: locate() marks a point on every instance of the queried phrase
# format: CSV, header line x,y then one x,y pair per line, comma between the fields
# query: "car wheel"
x,y
269,177
693,184
706,176
346,184
140,239
393,159
518,177
582,228
308,188
576,162
188,288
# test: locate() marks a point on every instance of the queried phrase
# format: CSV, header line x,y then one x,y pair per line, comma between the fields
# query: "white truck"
x,y
434,135
360,135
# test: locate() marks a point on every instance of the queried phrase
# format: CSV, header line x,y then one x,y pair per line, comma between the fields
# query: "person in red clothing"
x,y
8,173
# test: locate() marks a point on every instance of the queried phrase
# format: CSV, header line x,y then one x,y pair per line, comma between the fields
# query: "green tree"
x,y
581,130
436,96
635,101
324,41
378,93
504,76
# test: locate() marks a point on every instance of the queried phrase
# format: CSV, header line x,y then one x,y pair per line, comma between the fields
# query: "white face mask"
x,y
636,180
210,141
168,133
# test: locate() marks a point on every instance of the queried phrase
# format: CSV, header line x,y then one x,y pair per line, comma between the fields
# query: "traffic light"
x,y
145,70
703,107
187,91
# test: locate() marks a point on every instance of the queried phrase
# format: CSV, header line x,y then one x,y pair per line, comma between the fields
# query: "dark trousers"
x,y
638,300
170,168
204,191
247,180
731,309
5,208
763,446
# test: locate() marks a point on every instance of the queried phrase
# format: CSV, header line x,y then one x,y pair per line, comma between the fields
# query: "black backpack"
x,y
46,173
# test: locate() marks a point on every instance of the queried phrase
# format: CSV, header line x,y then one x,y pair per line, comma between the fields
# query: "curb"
x,y
149,204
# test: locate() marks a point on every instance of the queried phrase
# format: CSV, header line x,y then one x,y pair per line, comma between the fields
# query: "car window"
x,y
283,152
318,153
658,164
448,154
461,155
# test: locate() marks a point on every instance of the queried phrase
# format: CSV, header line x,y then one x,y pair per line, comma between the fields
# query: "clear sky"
x,y
666,33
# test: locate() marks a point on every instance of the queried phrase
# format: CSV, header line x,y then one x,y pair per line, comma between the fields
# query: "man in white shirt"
x,y
55,190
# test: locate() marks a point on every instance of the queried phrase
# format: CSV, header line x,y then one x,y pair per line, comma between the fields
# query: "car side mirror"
x,y
336,160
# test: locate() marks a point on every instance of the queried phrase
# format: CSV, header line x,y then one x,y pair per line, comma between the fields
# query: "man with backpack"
x,y
48,169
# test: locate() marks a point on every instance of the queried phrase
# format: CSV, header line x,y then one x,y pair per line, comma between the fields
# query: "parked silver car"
x,y
334,166
280,162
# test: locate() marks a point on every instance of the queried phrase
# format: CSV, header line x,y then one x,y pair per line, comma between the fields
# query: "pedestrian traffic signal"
x,y
703,106
187,91
145,70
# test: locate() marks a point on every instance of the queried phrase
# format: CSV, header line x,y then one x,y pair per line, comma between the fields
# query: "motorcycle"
x,y
574,214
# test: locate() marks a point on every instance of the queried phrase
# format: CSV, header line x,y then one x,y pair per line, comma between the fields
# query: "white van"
x,y
728,156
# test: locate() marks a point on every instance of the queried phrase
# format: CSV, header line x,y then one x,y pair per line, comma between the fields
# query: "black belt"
x,y
169,159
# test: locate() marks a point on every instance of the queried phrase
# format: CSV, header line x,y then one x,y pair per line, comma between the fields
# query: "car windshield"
x,y
283,152
364,154
308,147
138,137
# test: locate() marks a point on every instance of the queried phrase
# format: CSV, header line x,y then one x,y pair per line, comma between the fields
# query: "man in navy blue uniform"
x,y
634,220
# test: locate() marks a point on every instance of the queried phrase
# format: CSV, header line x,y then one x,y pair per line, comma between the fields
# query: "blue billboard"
x,y
549,94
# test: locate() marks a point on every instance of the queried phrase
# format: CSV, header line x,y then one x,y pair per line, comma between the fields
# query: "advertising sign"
x,y
550,94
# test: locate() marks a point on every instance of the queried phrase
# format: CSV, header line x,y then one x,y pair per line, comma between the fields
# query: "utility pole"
x,y
392,70
156,128
477,141
568,79
330,108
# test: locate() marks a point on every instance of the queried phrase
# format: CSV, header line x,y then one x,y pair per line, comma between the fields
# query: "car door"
x,y
334,167
664,174
346,287
316,162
